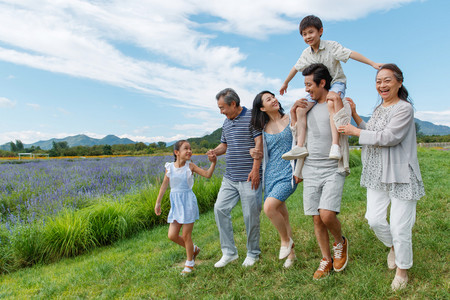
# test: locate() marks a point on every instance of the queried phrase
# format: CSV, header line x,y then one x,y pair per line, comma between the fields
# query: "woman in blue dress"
x,y
279,181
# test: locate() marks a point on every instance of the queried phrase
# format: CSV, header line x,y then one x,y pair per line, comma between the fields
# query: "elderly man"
x,y
241,179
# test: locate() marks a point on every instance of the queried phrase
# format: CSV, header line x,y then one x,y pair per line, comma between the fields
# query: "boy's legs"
x,y
299,150
334,104
301,122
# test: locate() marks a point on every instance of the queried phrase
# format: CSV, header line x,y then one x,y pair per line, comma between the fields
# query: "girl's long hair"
x,y
177,147
259,118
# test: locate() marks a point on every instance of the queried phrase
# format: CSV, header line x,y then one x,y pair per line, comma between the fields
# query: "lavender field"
x,y
31,190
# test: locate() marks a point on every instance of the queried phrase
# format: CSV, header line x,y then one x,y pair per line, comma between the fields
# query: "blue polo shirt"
x,y
239,136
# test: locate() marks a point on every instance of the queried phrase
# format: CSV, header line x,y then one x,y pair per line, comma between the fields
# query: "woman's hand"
x,y
297,180
352,104
349,129
255,153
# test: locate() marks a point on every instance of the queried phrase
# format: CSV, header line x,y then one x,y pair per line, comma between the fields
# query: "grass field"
x,y
148,265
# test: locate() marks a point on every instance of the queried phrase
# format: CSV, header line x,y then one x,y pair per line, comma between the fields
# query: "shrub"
x,y
68,234
110,221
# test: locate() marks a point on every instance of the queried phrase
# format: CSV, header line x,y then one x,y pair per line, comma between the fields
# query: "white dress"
x,y
183,203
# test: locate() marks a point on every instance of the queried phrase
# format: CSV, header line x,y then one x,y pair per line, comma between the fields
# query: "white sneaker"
x,y
225,260
335,152
391,260
249,261
295,153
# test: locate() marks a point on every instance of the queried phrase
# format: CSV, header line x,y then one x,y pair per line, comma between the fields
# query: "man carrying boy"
x,y
241,179
323,178
330,54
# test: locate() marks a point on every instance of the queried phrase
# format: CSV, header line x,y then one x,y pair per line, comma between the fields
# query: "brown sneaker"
x,y
340,258
324,269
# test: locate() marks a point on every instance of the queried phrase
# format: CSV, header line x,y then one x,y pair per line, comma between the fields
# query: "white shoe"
x,y
295,153
289,262
225,260
249,261
391,260
335,152
285,251
399,283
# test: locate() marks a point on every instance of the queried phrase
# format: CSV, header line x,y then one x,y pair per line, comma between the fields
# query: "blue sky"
x,y
149,70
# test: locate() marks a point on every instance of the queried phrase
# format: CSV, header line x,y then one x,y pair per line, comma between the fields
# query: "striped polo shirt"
x,y
240,138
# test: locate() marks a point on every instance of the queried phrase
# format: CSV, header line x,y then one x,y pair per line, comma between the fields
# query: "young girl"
x,y
183,203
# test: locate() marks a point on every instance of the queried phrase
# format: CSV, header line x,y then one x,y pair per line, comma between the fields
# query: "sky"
x,y
149,70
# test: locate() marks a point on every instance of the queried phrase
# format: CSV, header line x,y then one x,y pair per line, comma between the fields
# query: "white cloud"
x,y
436,117
86,39
6,103
29,136
34,106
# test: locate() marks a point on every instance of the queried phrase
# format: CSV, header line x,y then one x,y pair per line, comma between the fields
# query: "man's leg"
x,y
320,229
226,199
251,201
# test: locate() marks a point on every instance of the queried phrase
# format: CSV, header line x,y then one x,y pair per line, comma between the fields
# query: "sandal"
x,y
196,252
187,270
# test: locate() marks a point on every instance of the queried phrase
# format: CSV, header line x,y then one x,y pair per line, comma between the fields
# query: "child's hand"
x,y
352,104
212,157
158,209
283,89
377,66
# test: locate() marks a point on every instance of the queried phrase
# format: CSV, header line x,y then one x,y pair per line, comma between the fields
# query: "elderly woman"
x,y
279,182
390,171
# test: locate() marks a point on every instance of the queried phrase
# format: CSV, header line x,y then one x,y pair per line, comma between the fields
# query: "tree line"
x,y
63,149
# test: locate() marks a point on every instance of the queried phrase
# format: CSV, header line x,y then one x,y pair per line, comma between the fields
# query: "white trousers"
x,y
399,232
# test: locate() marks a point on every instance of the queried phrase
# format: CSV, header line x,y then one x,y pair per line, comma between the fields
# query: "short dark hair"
x,y
320,71
260,118
229,95
398,74
310,21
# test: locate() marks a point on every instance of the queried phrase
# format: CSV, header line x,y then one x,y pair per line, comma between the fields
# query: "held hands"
x,y
212,156
158,208
297,180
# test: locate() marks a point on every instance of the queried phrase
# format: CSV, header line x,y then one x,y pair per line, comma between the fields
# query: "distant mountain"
x,y
76,140
427,128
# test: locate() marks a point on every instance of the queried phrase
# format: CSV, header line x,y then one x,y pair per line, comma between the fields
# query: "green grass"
x,y
148,265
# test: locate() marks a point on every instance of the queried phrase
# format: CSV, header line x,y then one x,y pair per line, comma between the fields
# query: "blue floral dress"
x,y
278,180
183,203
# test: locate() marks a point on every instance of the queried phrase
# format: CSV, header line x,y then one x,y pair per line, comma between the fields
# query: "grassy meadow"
x,y
147,265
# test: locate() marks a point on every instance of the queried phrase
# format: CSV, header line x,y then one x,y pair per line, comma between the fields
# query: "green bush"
x,y
110,221
27,244
68,234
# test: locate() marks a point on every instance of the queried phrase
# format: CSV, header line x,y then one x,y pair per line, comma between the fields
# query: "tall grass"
x,y
72,232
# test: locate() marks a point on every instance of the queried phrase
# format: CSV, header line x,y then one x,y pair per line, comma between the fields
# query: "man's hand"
x,y
254,178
